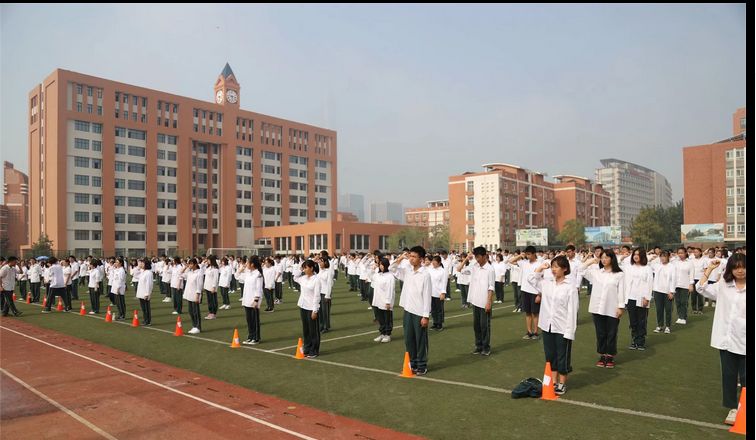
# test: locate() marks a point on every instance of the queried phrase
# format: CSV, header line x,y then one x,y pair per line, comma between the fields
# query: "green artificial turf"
x,y
678,375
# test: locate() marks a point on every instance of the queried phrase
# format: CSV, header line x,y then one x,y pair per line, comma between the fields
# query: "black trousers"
x,y
663,309
224,295
67,297
517,295
120,301
94,300
463,291
212,301
165,289
268,293
324,315
8,304
279,290
353,283
146,311
499,290
310,332
437,312
22,290
385,321
194,313
696,299
35,291
253,323
363,290
558,351
606,334
733,367
178,299
482,328
681,302
74,289
638,321
290,278
52,293
448,287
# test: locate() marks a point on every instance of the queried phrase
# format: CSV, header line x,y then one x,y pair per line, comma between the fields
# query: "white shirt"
x,y
95,277
639,281
526,268
608,292
699,265
118,281
664,277
193,285
463,277
253,288
55,273
416,290
224,277
211,279
326,281
383,290
35,273
269,277
500,269
559,305
683,274
481,281
165,273
515,273
67,274
438,280
74,271
144,285
8,277
177,282
309,295
729,329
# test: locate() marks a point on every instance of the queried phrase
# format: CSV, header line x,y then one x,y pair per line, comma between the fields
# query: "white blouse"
x,y
729,329
144,285
559,305
608,292
383,290
639,281
309,295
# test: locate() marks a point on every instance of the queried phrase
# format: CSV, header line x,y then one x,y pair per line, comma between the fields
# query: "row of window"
x,y
131,134
85,126
90,108
731,229
90,90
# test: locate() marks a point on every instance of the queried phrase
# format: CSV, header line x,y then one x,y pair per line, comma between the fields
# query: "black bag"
x,y
530,387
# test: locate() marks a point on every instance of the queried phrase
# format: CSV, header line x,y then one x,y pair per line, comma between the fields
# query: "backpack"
x,y
530,387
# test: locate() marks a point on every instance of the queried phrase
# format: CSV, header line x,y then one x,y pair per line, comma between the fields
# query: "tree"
x,y
407,237
43,247
439,237
573,232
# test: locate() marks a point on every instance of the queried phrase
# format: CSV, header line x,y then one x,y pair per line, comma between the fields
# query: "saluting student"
x,y
309,305
439,280
383,300
192,276
8,274
463,280
210,286
94,285
663,290
482,278
35,280
500,270
177,286
607,303
639,280
252,297
325,275
528,262
22,278
224,282
684,271
269,283
515,275
144,289
118,287
165,280
279,267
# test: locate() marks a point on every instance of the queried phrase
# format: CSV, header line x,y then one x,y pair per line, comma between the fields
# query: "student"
x,y
700,262
663,290
144,289
607,303
500,271
177,286
66,265
352,272
35,280
118,287
482,279
383,300
269,283
8,274
639,279
528,262
558,318
415,299
463,279
225,274
439,280
296,271
192,276
252,294
684,272
325,274
210,286
515,276
22,279
279,280
94,284
309,305
729,330
165,280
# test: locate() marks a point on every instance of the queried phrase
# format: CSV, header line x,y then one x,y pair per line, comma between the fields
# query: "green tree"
x,y
439,237
407,237
43,247
573,232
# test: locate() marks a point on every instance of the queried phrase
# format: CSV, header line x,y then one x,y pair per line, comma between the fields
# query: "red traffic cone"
x,y
14,296
44,301
82,311
299,354
60,305
740,420
135,321
179,329
28,298
108,315
547,390
406,369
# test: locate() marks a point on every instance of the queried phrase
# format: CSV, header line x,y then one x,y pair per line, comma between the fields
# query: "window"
x,y
137,134
136,236
81,144
81,162
120,166
97,181
81,180
136,219
96,164
96,199
136,202
136,151
96,217
96,128
120,236
81,216
96,235
120,132
137,185
81,198
172,155
119,183
120,201
470,186
96,145
136,167
81,126
120,149
81,234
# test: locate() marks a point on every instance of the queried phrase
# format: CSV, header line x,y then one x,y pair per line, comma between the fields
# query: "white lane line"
x,y
77,417
462,384
173,390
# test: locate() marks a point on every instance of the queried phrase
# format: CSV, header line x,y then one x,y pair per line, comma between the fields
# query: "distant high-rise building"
x,y
631,188
386,212
16,205
354,203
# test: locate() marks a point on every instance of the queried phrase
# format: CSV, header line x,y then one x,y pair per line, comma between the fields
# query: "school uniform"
x,y
326,277
608,295
22,279
309,302
210,289
118,289
463,282
482,285
67,293
177,288
193,296
35,281
8,276
663,285
696,299
415,299
352,274
278,282
639,282
296,272
251,299
165,282
224,282
383,301
684,271
515,279
438,288
95,279
500,269
143,293
528,291
57,284
557,320
75,280
269,285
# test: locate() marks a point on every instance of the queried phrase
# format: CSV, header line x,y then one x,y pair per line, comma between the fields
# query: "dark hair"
x,y
419,250
311,264
147,264
530,249
255,261
598,247
569,247
12,259
326,261
480,250
682,249
664,254
193,261
615,265
385,263
562,262
499,257
224,260
52,260
437,259
176,260
213,261
736,260
643,257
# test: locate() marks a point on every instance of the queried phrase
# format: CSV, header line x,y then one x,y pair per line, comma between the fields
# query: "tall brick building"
x,y
15,218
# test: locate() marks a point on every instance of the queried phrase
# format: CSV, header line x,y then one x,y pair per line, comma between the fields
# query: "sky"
x,y
416,93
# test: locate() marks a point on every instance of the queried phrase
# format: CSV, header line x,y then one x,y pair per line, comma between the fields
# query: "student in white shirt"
x,y
383,300
118,287
480,295
558,318
66,265
22,279
515,276
165,280
684,272
94,284
74,277
35,280
279,269
439,278
225,274
639,280
269,283
326,276
192,277
296,271
500,271
528,263
144,289
177,286
252,294
700,262
309,305
8,274
607,304
210,286
663,290
729,330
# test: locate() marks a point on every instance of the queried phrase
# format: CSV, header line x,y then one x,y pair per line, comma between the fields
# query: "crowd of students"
x,y
546,287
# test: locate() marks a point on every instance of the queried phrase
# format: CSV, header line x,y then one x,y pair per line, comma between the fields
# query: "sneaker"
x,y
386,338
45,311
241,299
370,308
633,346
610,362
601,362
311,356
683,321
560,389
166,300
730,420
667,330
641,348
535,336
527,336
657,330
448,299
476,351
254,342
379,338
194,331
174,313
486,352
247,342
91,313
679,321
228,306
515,310
210,316
424,371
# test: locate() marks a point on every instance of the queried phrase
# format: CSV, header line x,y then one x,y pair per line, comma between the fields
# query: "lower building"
x,y
580,198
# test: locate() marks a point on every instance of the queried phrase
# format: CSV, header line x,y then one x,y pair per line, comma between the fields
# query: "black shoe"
x,y
421,372
535,336
633,346
18,313
311,356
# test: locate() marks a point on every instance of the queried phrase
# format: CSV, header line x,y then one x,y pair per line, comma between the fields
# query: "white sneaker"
x,y
448,299
456,290
174,313
657,330
91,313
379,338
679,321
386,338
241,298
210,316
683,321
370,308
667,330
166,300
730,420
194,331
228,306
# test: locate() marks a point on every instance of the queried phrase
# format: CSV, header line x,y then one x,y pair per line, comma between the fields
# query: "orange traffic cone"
x,y
44,301
108,315
299,354
60,305
406,369
235,341
135,321
547,390
179,330
28,298
14,296
82,311
740,420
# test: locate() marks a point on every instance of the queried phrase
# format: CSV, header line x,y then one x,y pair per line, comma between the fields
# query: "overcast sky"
x,y
416,93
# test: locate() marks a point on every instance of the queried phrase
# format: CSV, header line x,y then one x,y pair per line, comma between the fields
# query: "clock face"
x,y
219,97
231,96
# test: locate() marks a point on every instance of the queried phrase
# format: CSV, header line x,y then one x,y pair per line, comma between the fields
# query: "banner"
x,y
532,237
603,234
709,233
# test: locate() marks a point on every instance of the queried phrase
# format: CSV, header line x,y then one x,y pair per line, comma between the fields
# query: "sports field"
x,y
672,390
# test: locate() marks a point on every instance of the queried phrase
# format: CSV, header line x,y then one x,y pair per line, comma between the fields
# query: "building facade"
x,y
631,188
16,203
435,213
386,212
580,198
120,169
715,182
353,203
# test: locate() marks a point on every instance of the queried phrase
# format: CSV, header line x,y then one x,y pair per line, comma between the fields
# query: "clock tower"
x,y
227,88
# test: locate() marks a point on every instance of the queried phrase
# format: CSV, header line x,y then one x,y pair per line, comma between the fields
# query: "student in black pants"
x,y
94,285
144,290
309,306
252,294
383,300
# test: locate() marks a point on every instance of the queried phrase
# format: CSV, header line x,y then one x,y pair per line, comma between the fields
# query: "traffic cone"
x,y
60,305
740,420
82,311
44,301
407,369
14,296
547,390
235,341
135,321
28,298
299,354
108,315
179,330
